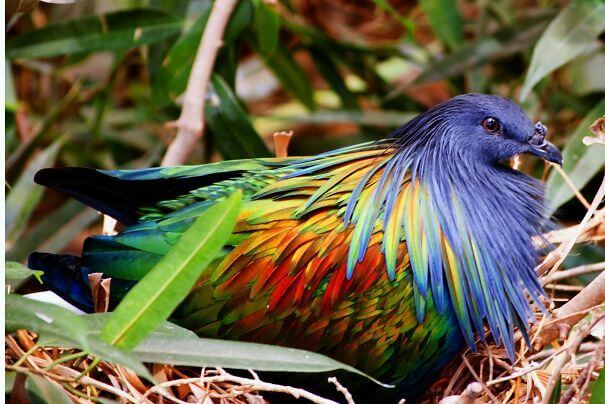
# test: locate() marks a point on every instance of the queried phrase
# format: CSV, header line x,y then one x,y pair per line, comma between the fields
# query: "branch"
x,y
573,272
572,312
571,346
191,122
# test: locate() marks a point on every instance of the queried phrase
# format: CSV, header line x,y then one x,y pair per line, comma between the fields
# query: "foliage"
x,y
94,84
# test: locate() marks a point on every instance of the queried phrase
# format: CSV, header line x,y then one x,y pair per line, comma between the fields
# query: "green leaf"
x,y
233,133
328,69
171,344
266,24
580,162
118,30
9,86
95,323
154,297
489,49
569,35
55,231
9,381
597,391
171,79
16,273
291,76
556,394
194,351
367,117
445,20
41,390
25,194
53,322
586,74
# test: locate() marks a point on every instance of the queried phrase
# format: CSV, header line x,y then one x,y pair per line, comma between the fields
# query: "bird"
x,y
390,255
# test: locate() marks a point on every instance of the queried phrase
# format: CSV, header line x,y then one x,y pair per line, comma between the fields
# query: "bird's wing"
x,y
126,195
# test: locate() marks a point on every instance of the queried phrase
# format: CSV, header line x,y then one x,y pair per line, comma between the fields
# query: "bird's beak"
x,y
548,152
538,146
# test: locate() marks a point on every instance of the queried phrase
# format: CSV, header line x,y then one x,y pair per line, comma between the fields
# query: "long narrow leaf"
x,y
194,351
570,34
580,162
118,30
25,194
235,136
154,298
445,20
53,322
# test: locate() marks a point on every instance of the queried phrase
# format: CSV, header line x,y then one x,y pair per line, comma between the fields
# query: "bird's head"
x,y
489,128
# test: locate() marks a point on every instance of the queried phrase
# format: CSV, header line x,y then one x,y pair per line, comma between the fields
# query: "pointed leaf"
x,y
41,390
154,297
235,136
570,34
266,25
580,162
597,392
445,20
50,321
291,76
171,79
194,351
25,194
118,30
16,273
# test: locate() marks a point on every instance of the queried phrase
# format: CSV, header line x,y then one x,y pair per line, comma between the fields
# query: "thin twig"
x,y
573,311
573,272
571,185
191,122
591,210
257,385
342,389
478,379
571,347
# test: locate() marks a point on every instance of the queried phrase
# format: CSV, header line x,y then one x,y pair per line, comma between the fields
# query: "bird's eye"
x,y
491,125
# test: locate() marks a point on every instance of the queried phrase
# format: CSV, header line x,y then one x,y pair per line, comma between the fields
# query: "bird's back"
x,y
285,276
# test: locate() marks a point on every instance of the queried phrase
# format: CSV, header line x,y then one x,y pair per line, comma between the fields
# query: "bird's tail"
x,y
64,275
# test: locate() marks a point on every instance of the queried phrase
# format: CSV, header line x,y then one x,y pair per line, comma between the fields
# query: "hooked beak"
x,y
539,147
548,152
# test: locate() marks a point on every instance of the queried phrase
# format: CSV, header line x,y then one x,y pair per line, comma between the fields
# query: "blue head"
x,y
486,128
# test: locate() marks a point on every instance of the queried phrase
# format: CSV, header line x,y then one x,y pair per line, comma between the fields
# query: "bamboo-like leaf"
x,y
16,273
41,390
51,321
55,231
490,49
25,194
597,392
194,351
570,34
171,79
445,20
580,162
171,344
291,76
233,133
154,297
266,25
328,69
118,30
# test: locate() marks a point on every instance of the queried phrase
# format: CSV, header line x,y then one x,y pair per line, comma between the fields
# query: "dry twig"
x,y
190,124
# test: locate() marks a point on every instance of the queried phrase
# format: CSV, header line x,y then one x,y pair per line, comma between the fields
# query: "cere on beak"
x,y
540,132
543,149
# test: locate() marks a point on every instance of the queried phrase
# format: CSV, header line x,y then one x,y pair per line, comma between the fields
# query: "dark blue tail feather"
x,y
64,275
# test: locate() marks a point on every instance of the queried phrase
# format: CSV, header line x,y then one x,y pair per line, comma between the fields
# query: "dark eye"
x,y
491,125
